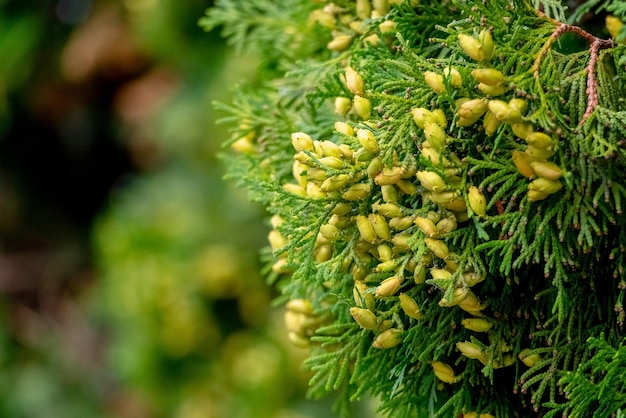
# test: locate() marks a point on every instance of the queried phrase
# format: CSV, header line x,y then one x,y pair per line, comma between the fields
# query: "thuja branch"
x,y
595,45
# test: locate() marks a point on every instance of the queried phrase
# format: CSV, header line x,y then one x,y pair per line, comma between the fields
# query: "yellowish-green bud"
x,y
354,81
518,104
469,349
374,168
362,107
357,192
410,306
456,205
476,324
470,304
298,339
364,317
301,141
334,183
327,149
340,42
546,169
490,123
344,128
322,253
443,372
434,81
386,266
421,116
362,297
389,287
504,112
529,360
401,242
614,26
535,195
486,42
342,105
470,111
387,27
446,225
522,163
492,91
381,6
419,274
539,140
302,306
544,185
380,225
435,136
244,145
366,230
314,191
389,176
388,339
472,278
390,210
389,192
440,274
401,223
332,162
276,240
477,201
440,117
367,140
363,9
472,47
488,76
330,232
427,226
522,129
455,77
535,153
384,252
294,189
431,181
437,247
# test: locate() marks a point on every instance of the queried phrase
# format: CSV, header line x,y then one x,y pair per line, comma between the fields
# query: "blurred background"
x,y
127,285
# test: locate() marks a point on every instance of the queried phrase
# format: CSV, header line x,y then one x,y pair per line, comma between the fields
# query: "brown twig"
x,y
594,49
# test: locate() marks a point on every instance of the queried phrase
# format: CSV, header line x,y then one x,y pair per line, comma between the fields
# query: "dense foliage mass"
x,y
445,181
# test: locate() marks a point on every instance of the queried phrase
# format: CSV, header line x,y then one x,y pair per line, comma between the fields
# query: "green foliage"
x,y
523,186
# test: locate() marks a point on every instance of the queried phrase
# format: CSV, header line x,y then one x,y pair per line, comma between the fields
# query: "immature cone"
x,y
476,324
421,116
354,81
434,81
481,49
362,107
455,77
477,201
444,372
435,136
529,360
388,339
410,306
470,111
389,287
489,76
504,112
469,349
614,26
437,247
431,181
364,317
547,170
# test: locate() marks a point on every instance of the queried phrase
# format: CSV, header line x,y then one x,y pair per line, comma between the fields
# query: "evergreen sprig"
x,y
446,184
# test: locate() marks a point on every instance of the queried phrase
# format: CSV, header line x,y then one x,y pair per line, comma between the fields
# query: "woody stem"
x,y
594,48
